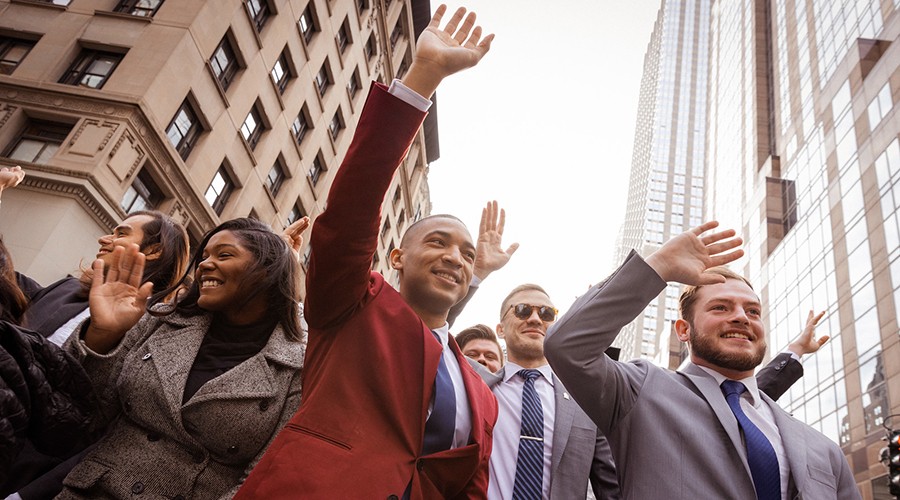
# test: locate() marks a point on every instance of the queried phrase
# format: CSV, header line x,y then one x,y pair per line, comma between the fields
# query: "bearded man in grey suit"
x,y
572,452
679,435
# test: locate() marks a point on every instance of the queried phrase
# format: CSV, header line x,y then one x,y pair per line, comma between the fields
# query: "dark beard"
x,y
702,347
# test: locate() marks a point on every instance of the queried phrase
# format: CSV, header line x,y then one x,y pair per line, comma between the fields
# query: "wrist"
x,y
423,78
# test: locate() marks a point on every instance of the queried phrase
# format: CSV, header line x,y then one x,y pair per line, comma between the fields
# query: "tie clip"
x,y
532,438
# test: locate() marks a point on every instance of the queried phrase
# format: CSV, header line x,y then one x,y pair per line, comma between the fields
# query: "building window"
x,y
323,78
362,5
370,48
184,129
281,72
224,63
276,177
252,127
219,190
143,8
307,22
300,126
404,66
336,124
401,219
12,52
143,194
385,228
343,36
259,12
91,69
296,214
354,84
397,32
315,170
39,141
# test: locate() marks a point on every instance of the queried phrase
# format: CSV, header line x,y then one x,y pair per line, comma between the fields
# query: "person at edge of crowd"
x,y
45,397
706,429
574,455
55,311
389,400
479,343
200,385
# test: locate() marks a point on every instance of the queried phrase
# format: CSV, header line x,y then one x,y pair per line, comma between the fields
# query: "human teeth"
x,y
209,283
447,276
735,336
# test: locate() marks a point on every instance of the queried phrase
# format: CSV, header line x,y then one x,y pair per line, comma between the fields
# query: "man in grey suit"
x,y
573,452
677,435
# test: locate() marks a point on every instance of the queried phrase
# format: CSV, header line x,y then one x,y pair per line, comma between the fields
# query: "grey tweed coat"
x,y
159,448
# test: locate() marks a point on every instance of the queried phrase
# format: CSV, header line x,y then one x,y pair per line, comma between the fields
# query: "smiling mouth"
x,y
447,277
736,335
207,283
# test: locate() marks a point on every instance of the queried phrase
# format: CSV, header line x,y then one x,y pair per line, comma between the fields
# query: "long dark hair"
x,y
13,302
278,273
169,240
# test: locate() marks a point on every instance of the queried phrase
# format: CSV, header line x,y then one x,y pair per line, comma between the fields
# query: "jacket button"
x,y
420,464
232,450
137,488
393,497
152,437
264,405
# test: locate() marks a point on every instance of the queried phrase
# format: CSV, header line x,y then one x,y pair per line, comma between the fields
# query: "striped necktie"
x,y
530,461
760,454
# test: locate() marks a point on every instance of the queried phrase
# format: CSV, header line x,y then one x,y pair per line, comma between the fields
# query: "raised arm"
x,y
784,371
345,236
575,345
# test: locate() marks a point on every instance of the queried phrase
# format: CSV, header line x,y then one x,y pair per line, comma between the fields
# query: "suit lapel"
x,y
562,423
792,435
712,393
473,384
173,353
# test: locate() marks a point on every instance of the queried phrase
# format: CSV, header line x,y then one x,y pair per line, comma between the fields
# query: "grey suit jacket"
x,y
672,434
580,452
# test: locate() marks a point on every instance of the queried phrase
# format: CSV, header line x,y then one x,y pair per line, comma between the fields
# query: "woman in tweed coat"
x,y
200,389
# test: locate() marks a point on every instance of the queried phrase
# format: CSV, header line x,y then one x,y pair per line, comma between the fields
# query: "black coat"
x,y
45,397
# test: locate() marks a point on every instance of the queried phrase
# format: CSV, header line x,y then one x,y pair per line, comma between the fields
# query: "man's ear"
x,y
683,330
396,258
500,330
152,252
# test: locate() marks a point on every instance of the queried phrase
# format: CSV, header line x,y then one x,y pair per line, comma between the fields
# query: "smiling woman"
x,y
200,385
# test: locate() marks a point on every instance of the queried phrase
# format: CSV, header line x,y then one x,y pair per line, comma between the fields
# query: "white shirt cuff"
x,y
793,354
409,96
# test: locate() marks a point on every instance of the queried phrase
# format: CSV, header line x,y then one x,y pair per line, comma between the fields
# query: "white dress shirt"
x,y
463,414
761,415
505,451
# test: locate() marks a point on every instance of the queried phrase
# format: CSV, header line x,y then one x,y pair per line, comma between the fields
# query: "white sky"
x,y
545,125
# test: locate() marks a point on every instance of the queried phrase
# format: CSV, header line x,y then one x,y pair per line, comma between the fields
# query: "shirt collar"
x,y
510,370
749,382
443,334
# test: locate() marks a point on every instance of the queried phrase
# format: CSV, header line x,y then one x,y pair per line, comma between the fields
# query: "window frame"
x,y
311,24
261,16
252,136
307,125
316,168
222,197
146,189
337,124
323,78
132,8
281,83
43,131
225,76
79,69
7,44
274,185
188,138
343,37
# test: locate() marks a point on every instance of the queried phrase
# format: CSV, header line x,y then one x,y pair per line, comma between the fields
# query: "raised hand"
x,y
118,299
292,235
489,253
807,343
11,177
442,52
685,257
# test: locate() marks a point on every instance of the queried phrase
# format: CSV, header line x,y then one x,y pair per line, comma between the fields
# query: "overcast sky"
x,y
545,125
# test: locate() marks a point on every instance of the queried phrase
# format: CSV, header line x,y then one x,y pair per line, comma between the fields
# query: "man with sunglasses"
x,y
561,450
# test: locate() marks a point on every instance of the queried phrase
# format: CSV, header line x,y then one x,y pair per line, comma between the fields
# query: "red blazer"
x,y
370,362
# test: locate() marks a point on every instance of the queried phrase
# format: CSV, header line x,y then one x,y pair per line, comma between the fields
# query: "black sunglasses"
x,y
524,311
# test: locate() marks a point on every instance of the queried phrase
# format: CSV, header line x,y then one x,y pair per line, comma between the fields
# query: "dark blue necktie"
x,y
441,423
530,461
760,454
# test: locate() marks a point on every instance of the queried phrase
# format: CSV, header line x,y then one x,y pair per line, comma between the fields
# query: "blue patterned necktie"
x,y
530,461
760,454
441,423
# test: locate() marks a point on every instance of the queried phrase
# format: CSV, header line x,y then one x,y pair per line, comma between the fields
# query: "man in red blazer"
x,y
376,356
